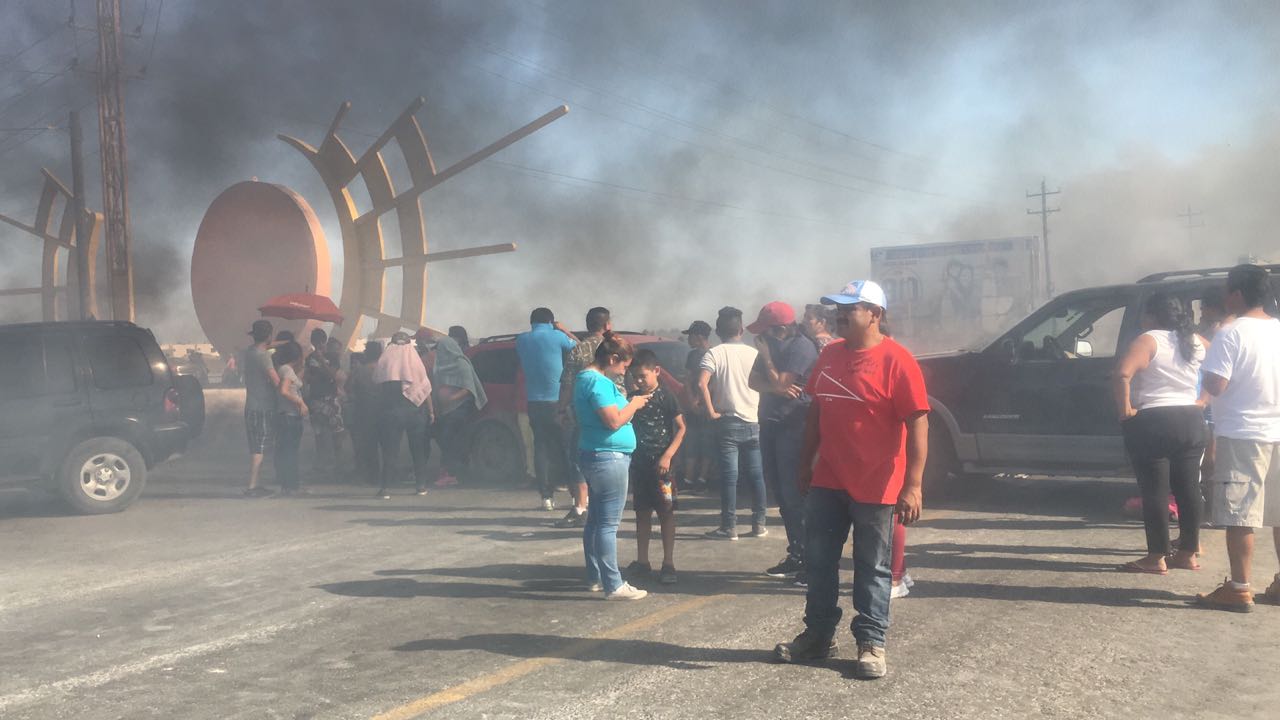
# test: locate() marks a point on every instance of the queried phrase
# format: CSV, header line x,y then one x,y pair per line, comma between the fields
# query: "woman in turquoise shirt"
x,y
607,441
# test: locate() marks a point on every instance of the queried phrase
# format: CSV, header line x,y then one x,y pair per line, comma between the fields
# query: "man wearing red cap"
x,y
866,442
780,373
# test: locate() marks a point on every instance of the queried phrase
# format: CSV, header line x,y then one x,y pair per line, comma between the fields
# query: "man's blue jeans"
x,y
739,441
780,445
606,474
828,515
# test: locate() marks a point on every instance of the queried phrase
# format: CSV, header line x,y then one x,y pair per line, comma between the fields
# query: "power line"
x,y
525,62
574,180
720,85
697,201
720,151
10,59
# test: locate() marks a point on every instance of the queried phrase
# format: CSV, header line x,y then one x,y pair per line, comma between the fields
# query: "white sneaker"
x,y
626,592
900,590
548,504
906,580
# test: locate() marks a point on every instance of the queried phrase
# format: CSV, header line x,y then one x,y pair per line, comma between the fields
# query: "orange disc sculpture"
x,y
256,241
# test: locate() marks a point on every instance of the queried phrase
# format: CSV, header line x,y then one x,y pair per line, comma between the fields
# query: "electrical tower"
x,y
111,139
1193,222
1043,212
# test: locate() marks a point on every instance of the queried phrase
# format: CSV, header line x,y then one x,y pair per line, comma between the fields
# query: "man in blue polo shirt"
x,y
542,352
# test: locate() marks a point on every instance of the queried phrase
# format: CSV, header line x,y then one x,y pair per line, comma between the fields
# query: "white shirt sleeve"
x,y
708,362
1221,358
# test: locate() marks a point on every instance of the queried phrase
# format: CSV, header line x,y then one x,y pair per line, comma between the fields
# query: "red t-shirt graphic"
x,y
864,398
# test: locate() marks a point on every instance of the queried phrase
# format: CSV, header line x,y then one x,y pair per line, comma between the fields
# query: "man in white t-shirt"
x,y
724,386
1242,373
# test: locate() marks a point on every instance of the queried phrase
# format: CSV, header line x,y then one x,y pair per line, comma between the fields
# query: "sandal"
x,y
1188,563
1133,567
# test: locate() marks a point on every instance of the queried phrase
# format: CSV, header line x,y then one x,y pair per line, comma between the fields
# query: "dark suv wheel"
x,y
102,475
495,455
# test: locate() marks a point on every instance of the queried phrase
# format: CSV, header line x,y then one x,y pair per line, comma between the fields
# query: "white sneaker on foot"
x,y
626,592
548,504
900,590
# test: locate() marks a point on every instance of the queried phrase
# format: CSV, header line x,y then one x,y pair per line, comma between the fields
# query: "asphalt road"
x,y
196,603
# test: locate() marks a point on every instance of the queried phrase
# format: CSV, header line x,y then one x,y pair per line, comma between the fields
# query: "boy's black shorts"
x,y
646,487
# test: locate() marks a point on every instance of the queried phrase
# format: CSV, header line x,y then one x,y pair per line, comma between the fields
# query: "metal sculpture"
x,y
59,247
365,261
256,240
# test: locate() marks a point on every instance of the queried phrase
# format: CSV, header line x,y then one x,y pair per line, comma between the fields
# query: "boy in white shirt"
x,y
733,407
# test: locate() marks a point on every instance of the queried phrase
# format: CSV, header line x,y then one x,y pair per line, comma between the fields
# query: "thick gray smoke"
x,y
716,152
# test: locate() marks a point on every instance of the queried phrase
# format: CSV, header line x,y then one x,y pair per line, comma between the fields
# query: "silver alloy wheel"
x,y
104,477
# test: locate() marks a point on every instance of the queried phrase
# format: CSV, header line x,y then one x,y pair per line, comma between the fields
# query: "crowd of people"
x,y
826,411
417,389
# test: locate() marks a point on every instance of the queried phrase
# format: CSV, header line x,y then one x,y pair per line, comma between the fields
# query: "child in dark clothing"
x,y
659,429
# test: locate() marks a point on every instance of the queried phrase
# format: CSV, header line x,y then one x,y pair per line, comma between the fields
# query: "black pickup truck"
x,y
1038,400
86,408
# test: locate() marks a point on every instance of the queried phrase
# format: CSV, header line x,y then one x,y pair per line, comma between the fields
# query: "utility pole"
x,y
1193,222
88,305
1043,212
111,139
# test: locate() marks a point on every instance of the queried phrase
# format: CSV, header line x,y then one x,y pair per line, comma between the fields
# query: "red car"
x,y
496,447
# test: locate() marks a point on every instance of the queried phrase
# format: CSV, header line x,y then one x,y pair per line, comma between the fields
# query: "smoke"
x,y
716,153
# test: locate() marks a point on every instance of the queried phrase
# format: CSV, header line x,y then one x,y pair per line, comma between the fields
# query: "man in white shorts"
x,y
1242,373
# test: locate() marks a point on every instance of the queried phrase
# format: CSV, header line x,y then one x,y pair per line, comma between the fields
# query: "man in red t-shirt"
x,y
866,440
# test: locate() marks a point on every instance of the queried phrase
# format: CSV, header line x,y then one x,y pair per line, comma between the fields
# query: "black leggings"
x,y
450,433
1165,446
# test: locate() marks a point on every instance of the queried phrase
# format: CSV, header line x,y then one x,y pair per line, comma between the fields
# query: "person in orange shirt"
x,y
862,465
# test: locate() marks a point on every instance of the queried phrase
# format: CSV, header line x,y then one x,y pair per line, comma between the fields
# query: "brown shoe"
x,y
1272,595
1227,598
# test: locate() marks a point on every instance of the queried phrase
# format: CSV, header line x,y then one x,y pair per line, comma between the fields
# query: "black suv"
x,y
1038,399
88,407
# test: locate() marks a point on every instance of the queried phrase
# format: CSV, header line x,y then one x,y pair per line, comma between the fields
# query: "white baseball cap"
x,y
858,291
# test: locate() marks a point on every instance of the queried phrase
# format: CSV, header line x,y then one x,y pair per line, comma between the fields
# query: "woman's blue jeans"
x,y
606,475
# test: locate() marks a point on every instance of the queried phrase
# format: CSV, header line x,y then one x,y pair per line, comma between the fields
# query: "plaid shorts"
x,y
257,425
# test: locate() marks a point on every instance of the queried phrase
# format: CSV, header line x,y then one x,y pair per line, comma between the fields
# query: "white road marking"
x,y
163,661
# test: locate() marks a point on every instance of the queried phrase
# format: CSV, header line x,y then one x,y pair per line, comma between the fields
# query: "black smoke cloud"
x,y
749,151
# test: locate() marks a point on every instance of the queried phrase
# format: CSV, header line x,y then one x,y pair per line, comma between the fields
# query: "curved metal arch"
x,y
364,249
56,303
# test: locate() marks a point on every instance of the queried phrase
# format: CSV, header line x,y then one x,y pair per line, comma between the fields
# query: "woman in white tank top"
x,y
1161,406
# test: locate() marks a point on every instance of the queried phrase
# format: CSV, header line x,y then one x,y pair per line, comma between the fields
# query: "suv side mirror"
x,y
1084,348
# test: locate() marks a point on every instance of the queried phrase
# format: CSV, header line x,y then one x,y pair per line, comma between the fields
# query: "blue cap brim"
x,y
840,300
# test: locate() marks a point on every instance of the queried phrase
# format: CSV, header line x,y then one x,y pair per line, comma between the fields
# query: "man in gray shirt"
x,y
260,384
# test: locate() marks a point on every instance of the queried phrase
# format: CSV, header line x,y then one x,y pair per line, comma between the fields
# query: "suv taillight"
x,y
172,409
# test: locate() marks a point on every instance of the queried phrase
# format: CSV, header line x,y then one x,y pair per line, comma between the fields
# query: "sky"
x,y
716,152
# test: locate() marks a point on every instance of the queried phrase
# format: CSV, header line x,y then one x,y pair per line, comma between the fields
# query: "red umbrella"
x,y
302,306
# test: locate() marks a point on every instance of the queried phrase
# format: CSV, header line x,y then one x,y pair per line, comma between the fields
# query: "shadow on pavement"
x,y
533,581
1077,595
1022,524
631,652
951,556
1091,499
405,588
957,548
